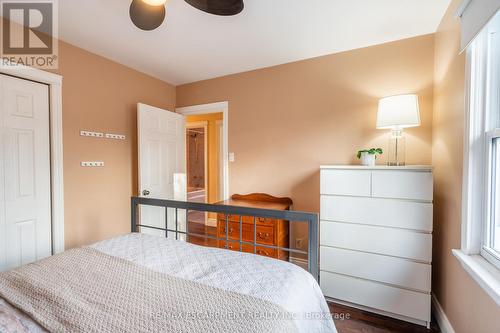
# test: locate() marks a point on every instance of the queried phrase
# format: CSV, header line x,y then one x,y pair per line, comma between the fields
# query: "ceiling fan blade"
x,y
218,7
146,17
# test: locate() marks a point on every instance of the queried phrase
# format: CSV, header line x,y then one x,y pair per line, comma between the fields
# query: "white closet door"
x,y
25,157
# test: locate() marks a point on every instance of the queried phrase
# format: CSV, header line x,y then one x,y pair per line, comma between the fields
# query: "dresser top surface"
x,y
254,204
377,167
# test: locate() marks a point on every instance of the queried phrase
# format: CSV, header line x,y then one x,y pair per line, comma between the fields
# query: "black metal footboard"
x,y
310,219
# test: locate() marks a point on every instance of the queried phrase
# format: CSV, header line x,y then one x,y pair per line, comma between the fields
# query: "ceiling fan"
x,y
150,14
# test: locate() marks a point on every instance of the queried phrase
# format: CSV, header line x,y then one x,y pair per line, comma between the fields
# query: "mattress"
x,y
279,282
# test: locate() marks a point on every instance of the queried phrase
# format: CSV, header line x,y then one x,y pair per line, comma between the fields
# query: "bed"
x,y
146,283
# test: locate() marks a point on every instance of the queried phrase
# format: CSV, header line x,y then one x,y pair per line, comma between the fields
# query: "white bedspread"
x,y
276,281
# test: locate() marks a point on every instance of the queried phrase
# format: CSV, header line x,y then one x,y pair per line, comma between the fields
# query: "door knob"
x,y
146,193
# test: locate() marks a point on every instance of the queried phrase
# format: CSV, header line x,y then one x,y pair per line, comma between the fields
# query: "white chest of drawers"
x,y
376,239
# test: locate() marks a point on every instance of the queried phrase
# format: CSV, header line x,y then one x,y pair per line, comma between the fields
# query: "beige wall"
x,y
286,120
467,306
101,95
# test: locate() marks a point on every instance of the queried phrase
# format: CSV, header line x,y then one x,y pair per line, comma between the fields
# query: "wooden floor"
x,y
201,229
358,321
350,320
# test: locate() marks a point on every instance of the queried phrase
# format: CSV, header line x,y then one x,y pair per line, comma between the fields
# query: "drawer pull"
x,y
263,235
230,231
262,219
263,253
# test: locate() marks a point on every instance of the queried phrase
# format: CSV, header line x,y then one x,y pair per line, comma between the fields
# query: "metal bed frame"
x,y
310,219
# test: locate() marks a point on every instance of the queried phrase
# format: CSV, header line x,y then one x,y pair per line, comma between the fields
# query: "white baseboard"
x,y
442,320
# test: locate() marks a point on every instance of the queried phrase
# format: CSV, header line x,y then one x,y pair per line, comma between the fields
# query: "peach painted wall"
x,y
101,95
467,306
285,121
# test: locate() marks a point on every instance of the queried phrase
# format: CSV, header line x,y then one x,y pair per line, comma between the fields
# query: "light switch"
x,y
232,157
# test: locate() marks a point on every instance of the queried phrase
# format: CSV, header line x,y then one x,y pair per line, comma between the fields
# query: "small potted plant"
x,y
368,156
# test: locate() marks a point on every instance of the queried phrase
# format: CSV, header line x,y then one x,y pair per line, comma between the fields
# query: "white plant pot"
x,y
368,159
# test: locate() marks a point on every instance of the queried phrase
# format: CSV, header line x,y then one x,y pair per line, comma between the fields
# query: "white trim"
x,y
473,163
58,243
441,318
30,73
203,108
491,256
486,246
56,143
220,162
484,273
215,108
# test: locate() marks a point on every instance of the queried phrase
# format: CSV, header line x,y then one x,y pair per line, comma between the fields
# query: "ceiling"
x,y
192,45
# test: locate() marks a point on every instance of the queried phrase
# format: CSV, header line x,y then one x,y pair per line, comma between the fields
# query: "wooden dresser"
x,y
376,239
270,232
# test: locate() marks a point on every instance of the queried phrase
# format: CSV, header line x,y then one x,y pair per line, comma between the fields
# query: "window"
x,y
480,248
490,53
491,240
481,214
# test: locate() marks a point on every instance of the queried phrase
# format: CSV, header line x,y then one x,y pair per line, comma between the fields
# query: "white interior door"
x,y
25,207
162,166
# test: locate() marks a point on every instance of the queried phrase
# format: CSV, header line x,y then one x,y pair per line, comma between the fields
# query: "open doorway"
x,y
197,157
204,151
197,161
197,113
215,116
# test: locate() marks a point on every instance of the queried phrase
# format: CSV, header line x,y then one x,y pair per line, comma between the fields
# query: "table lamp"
x,y
397,113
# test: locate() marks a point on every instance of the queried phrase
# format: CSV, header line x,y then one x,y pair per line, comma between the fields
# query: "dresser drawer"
x,y
346,182
402,184
265,234
247,219
382,212
262,251
399,272
378,296
378,240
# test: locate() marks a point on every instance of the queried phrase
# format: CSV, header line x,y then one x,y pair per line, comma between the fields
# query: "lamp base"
x,y
397,148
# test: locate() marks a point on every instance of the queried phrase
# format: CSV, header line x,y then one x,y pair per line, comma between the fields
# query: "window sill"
x,y
484,273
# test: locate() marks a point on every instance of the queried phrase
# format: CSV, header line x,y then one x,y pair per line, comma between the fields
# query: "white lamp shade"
x,y
400,111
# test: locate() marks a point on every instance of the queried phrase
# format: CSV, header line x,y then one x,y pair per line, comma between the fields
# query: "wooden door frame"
x,y
200,124
215,108
54,82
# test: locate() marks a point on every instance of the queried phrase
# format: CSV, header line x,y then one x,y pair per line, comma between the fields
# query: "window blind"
x,y
475,14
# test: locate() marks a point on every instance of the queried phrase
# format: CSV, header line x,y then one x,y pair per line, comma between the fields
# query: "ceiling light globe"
x,y
155,2
145,16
